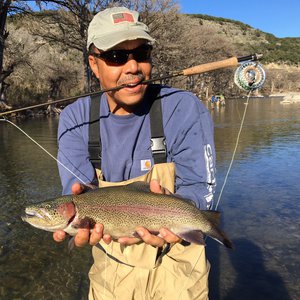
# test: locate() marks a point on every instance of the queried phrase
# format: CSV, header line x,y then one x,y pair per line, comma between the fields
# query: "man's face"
x,y
131,73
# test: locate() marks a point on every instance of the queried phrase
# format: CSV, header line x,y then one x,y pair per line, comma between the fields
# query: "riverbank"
x,y
286,94
292,97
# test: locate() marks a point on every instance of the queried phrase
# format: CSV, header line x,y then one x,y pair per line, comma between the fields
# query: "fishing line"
x,y
234,151
105,274
224,183
249,76
45,150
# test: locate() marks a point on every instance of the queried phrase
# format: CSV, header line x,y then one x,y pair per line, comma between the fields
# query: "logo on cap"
x,y
122,17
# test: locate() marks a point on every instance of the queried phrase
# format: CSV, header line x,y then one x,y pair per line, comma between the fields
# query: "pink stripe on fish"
x,y
143,209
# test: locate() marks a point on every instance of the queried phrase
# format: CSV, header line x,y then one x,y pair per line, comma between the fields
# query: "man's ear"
x,y
93,65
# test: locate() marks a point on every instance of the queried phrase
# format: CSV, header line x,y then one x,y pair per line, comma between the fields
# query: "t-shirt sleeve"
x,y
74,165
191,148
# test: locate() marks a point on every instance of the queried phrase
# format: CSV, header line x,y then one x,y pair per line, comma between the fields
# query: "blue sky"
x,y
281,18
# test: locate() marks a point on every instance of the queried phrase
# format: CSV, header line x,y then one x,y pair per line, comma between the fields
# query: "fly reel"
x,y
250,76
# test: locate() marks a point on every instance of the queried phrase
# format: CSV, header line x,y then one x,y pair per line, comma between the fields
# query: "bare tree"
x,y
41,70
65,27
8,7
68,24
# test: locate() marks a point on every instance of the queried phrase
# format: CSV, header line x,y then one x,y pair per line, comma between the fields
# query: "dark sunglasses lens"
x,y
142,53
120,57
115,57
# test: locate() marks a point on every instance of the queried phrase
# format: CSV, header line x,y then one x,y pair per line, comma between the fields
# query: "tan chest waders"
x,y
131,272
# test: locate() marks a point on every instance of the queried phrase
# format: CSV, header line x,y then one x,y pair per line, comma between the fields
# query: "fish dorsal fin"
x,y
139,186
212,216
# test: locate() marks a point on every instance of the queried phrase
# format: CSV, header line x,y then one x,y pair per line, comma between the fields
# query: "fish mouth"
x,y
41,221
31,214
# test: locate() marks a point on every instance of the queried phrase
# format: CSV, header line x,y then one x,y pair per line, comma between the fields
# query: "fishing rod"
x,y
251,81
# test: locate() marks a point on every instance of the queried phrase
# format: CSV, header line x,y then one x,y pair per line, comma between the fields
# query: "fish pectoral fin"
x,y
162,251
193,236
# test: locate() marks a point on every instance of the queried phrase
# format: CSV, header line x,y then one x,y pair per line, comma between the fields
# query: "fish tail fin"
x,y
227,243
223,240
212,216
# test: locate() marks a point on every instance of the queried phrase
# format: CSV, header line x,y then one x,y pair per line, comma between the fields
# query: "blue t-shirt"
x,y
126,144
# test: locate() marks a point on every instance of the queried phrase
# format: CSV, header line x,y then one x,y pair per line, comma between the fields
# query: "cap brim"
x,y
108,42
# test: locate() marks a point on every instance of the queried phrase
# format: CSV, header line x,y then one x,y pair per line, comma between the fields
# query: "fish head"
x,y
51,215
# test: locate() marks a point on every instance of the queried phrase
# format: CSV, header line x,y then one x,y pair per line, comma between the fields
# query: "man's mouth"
x,y
132,84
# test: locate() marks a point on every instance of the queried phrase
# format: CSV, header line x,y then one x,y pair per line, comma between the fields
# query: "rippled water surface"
x,y
260,207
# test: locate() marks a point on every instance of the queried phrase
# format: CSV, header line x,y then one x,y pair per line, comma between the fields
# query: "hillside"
x,y
246,38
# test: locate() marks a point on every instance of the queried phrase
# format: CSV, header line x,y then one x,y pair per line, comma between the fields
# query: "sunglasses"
x,y
120,57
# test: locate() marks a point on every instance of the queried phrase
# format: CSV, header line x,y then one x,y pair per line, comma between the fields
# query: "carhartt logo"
x,y
123,17
145,165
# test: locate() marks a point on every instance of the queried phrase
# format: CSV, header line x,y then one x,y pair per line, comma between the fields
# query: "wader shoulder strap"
x,y
94,145
158,144
158,140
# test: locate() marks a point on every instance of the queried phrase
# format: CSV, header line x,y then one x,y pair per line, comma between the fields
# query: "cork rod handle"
x,y
230,62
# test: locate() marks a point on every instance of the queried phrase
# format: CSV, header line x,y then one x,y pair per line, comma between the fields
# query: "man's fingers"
x,y
155,187
169,236
82,237
59,236
96,234
77,188
149,238
156,241
128,240
107,239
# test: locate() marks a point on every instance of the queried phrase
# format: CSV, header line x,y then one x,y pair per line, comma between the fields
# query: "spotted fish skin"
x,y
122,208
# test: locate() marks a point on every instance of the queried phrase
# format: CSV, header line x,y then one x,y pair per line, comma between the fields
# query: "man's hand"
x,y
84,235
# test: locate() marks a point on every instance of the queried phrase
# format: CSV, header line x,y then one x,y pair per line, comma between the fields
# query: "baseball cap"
x,y
115,25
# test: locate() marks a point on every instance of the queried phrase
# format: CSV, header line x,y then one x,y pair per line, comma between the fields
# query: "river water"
x,y
260,208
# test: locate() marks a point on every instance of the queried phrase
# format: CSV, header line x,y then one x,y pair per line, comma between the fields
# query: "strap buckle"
x,y
158,145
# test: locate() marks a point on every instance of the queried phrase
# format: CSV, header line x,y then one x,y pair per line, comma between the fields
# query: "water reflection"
x,y
253,276
259,203
259,208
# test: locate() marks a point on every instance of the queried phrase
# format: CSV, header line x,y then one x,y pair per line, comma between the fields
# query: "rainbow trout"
x,y
122,208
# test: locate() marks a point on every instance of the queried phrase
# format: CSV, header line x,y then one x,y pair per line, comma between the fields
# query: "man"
x,y
164,266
